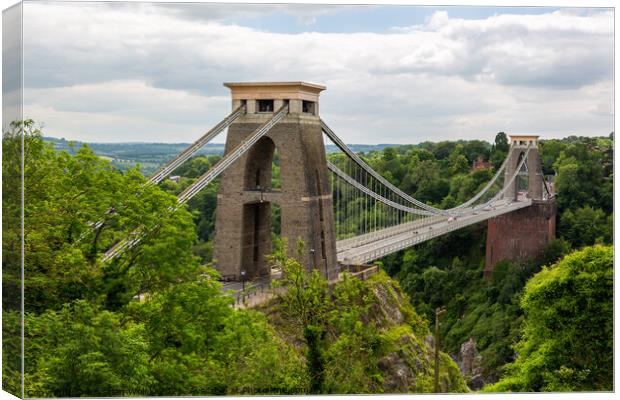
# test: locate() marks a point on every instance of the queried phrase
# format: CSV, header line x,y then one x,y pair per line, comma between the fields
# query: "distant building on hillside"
x,y
175,178
479,163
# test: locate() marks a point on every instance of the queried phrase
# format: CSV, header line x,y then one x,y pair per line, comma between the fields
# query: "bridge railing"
x,y
384,249
385,233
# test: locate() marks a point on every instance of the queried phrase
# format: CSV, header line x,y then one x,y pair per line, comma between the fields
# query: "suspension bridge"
x,y
345,212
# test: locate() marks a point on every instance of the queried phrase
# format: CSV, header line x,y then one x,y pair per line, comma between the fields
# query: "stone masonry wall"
x,y
520,235
304,198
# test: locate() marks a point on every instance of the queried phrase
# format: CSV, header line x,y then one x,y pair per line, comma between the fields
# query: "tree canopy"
x,y
567,342
155,320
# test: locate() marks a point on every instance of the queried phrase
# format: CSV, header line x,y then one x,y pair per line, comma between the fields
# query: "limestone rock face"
x,y
469,362
386,306
467,356
398,373
476,382
403,367
409,366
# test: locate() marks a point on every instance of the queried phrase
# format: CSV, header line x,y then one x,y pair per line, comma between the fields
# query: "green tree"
x,y
82,350
567,342
66,195
458,161
501,142
199,345
442,150
305,303
351,358
499,150
11,215
580,179
12,255
586,226
203,207
550,151
476,148
12,351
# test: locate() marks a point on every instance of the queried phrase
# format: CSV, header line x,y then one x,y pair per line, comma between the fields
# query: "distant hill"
x,y
151,156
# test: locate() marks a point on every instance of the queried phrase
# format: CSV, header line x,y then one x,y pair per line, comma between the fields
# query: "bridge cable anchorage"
x,y
448,212
182,157
205,179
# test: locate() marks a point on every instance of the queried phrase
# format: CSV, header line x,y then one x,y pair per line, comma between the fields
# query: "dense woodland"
x,y
447,271
154,322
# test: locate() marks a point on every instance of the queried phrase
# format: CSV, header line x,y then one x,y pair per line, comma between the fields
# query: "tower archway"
x,y
259,165
250,201
260,215
522,179
530,179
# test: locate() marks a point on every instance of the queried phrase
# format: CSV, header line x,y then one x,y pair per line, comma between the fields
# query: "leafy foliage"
x,y
447,271
585,175
350,331
198,345
567,341
586,226
66,195
84,350
151,322
155,322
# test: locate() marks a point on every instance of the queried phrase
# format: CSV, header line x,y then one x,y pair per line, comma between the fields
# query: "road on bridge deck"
x,y
394,239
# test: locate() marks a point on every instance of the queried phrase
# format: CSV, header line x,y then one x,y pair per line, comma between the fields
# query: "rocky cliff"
x,y
375,341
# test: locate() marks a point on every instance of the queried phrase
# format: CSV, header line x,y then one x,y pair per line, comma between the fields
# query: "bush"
x,y
567,342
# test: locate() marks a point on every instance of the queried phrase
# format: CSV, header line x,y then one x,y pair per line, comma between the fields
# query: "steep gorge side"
x,y
408,364
374,340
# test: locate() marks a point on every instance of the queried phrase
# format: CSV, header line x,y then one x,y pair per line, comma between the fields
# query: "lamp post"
x,y
438,312
243,285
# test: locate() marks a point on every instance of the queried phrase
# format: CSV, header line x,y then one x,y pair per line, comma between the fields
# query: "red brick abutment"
x,y
520,235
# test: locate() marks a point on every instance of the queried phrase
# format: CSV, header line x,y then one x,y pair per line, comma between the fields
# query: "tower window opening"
x,y
244,103
265,106
307,107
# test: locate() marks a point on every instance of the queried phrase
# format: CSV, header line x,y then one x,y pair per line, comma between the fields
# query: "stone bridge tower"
x,y
245,197
533,167
525,233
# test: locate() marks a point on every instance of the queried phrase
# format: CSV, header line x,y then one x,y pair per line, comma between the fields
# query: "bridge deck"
x,y
364,248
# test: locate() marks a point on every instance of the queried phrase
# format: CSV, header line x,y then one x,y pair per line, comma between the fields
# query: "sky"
x,y
116,72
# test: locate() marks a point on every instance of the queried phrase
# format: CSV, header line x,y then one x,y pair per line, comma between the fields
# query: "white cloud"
x,y
133,109
449,78
600,23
